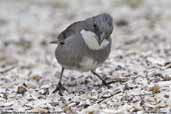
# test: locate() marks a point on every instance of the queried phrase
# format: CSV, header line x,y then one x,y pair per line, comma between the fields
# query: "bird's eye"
x,y
94,25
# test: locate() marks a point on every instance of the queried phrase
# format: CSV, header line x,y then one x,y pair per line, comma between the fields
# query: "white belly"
x,y
88,63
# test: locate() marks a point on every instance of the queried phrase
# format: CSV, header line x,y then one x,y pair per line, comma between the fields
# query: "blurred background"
x,y
27,27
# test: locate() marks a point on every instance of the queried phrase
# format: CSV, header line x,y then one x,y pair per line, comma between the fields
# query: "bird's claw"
x,y
107,84
60,88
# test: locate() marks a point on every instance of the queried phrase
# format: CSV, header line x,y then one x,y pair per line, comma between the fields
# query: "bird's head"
x,y
102,26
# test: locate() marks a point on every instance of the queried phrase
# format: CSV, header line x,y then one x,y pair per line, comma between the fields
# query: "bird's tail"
x,y
54,42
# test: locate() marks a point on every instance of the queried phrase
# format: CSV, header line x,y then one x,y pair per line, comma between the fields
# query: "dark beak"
x,y
101,38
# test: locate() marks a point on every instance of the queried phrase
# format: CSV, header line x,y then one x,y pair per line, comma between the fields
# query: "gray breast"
x,y
74,52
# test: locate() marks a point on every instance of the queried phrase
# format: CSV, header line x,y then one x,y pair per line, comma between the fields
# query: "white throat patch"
x,y
90,40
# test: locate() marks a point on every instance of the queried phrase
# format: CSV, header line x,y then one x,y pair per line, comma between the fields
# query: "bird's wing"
x,y
70,30
72,51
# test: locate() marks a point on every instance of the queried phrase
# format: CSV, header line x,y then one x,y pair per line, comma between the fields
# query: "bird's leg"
x,y
103,81
60,87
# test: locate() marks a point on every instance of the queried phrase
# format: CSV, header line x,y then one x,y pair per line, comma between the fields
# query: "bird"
x,y
84,45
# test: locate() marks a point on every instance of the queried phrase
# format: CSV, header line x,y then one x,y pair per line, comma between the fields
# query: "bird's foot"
x,y
107,84
60,88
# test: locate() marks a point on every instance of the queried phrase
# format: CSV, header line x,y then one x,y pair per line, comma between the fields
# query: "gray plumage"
x,y
72,49
70,54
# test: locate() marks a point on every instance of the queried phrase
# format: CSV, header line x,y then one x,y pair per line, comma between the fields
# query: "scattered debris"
x,y
36,78
155,89
21,90
40,110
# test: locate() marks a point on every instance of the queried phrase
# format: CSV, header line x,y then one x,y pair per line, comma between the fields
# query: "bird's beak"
x,y
101,38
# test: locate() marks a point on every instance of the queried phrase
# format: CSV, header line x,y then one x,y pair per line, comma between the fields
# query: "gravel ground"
x,y
139,65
